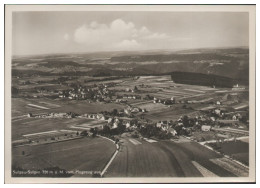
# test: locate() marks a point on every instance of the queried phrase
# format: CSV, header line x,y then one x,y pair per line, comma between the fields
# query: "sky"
x,y
78,32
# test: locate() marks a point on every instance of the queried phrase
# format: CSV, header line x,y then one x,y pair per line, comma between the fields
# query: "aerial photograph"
x,y
129,94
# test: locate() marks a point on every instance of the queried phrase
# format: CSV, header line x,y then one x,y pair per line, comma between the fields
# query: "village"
x,y
136,110
131,119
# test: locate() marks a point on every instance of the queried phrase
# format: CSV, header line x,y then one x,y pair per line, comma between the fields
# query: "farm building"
x,y
205,128
172,131
237,87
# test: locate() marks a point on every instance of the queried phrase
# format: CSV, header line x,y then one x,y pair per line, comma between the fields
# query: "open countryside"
x,y
128,126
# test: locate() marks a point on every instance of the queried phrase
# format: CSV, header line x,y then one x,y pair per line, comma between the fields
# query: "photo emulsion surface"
x,y
131,94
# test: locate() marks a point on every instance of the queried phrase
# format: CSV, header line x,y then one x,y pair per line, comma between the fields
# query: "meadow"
x,y
85,154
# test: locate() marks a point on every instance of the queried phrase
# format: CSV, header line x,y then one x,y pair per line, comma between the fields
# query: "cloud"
x,y
130,44
66,36
117,35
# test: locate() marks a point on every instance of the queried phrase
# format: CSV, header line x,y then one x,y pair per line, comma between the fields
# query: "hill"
x,y
228,62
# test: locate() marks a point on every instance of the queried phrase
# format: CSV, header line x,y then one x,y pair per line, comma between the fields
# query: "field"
x,y
238,150
137,157
20,106
21,124
35,125
170,113
162,159
86,154
203,136
86,124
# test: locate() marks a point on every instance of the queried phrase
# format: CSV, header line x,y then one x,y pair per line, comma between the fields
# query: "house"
x,y
218,103
162,124
172,131
109,120
135,110
115,125
159,124
127,125
100,116
205,128
29,115
164,127
126,111
237,87
118,100
217,111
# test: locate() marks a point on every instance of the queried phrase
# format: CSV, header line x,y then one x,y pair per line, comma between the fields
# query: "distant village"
x,y
126,120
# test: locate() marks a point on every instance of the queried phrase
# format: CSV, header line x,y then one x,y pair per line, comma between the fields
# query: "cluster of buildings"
x,y
131,109
55,115
125,96
164,101
238,88
83,93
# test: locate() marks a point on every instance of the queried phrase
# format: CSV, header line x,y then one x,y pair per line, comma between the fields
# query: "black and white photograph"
x,y
130,93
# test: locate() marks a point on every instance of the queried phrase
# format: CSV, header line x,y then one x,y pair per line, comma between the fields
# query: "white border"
x,y
117,2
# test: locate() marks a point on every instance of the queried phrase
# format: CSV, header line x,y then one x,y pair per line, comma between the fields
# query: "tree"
x,y
106,130
185,121
178,129
93,131
84,133
114,112
121,128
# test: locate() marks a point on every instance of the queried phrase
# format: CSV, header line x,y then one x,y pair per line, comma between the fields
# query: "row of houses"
x,y
130,96
164,101
55,115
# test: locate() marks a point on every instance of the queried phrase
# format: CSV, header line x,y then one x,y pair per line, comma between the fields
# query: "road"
x,y
140,158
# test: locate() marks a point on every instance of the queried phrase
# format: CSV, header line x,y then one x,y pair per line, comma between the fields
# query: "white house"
x,y
217,111
159,124
172,131
205,128
109,120
127,125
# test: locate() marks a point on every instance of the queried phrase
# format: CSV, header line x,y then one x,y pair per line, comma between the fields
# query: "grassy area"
x,y
172,113
236,149
203,136
20,106
86,154
35,125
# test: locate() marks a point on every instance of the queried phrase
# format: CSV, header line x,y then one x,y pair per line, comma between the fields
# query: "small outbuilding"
x,y
205,128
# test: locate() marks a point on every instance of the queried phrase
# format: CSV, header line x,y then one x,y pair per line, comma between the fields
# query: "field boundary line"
x,y
51,142
107,138
204,171
112,158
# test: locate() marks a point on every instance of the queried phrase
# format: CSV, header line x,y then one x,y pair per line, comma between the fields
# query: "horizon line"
x,y
108,51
